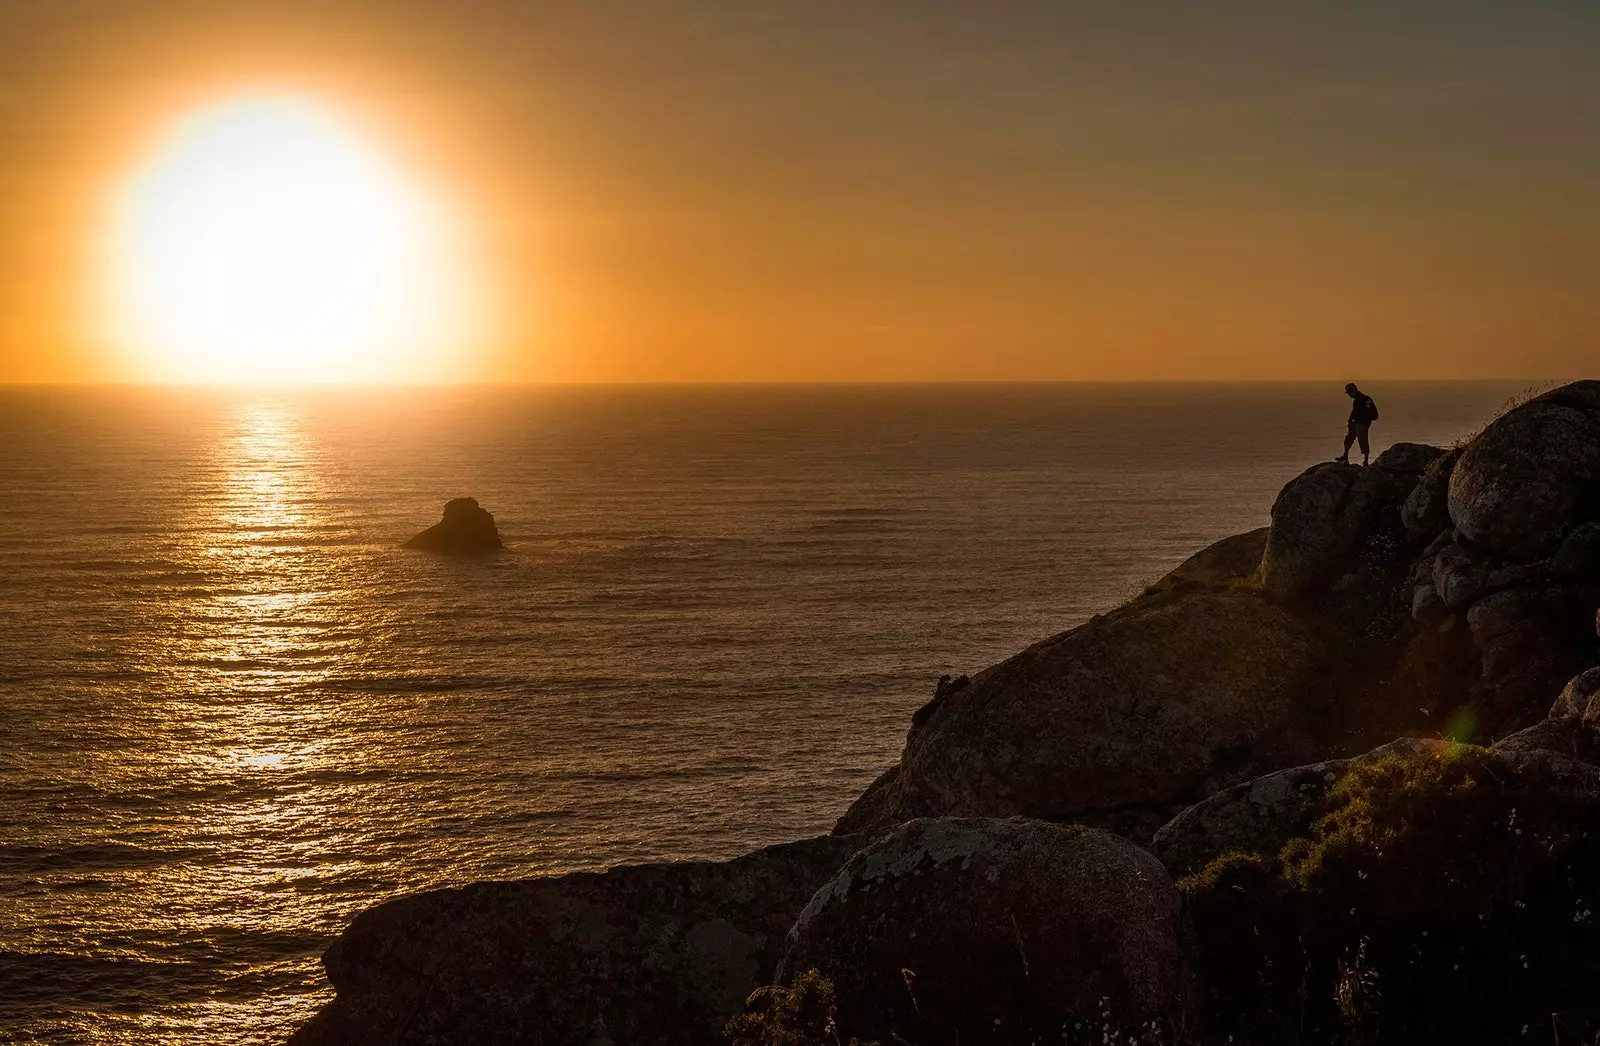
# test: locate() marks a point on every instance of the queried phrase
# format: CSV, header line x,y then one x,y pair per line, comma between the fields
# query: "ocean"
x,y
234,712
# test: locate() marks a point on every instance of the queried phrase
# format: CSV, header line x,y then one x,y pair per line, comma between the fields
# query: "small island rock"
x,y
466,530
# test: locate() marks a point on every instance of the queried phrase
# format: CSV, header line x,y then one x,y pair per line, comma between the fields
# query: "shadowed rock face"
x,y
466,530
1530,475
1512,574
1335,518
1000,930
653,954
1152,705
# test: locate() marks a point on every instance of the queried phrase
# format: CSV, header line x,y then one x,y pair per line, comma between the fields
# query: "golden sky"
x,y
842,191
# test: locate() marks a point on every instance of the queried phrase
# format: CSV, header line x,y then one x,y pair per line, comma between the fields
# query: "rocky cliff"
x,y
1308,877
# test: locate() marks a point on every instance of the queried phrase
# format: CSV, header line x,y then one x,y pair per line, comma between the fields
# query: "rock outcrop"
x,y
652,954
1148,707
1337,520
1510,575
466,530
968,931
1386,600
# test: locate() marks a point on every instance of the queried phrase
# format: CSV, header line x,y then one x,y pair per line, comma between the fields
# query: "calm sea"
x,y
233,712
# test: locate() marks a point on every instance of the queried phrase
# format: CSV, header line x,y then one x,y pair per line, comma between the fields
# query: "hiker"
x,y
1363,412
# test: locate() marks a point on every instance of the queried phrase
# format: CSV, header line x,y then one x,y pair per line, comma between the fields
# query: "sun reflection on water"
x,y
249,735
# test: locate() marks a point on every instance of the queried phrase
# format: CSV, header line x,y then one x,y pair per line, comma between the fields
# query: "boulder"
x,y
1528,477
466,530
1426,510
1137,712
1410,460
1579,554
1572,728
1577,697
1334,516
1567,735
1528,643
1259,816
1227,563
1462,576
652,954
974,931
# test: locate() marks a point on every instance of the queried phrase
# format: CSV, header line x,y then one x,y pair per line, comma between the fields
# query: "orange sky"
x,y
837,191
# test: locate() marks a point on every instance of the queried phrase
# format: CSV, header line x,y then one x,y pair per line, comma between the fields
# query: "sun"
x,y
263,241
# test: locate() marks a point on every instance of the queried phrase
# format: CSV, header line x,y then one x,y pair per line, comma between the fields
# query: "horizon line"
x,y
770,383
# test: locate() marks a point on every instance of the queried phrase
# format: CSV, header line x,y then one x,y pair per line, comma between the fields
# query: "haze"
x,y
897,191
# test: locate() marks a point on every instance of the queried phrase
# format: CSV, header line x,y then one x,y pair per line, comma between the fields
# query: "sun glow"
x,y
265,242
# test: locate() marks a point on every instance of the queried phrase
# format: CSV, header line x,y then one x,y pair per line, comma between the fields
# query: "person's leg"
x,y
1349,438
1366,448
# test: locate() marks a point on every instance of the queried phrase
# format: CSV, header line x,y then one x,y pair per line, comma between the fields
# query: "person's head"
x,y
1351,390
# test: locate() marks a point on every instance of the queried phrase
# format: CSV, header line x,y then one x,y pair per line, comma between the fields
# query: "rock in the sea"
x,y
969,931
466,530
653,954
1528,477
1148,707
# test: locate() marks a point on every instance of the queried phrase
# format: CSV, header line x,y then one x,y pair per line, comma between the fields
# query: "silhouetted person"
x,y
1363,412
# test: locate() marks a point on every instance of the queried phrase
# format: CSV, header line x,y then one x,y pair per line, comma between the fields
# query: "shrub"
x,y
800,1015
1443,898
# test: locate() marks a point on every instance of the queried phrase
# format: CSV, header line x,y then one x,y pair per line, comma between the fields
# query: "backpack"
x,y
1372,409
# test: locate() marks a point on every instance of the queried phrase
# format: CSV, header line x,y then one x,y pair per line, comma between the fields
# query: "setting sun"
x,y
265,241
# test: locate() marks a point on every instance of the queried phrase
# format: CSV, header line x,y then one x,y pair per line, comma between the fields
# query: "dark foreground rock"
x,y
969,931
1151,706
466,530
1432,893
653,954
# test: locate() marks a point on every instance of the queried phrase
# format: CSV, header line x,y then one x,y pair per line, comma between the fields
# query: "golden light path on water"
x,y
273,632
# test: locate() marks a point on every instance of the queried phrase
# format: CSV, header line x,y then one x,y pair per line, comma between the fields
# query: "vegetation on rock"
x,y
802,1014
1441,898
